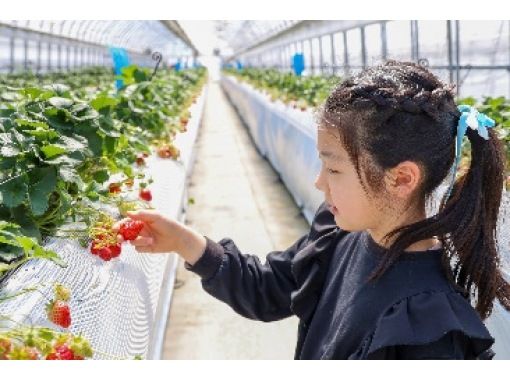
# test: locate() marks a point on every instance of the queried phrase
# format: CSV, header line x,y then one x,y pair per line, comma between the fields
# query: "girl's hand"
x,y
161,234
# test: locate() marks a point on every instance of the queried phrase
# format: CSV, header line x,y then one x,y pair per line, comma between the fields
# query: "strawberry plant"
x,y
298,91
16,249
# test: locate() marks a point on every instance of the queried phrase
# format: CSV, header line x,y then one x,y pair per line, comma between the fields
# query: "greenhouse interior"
x,y
165,192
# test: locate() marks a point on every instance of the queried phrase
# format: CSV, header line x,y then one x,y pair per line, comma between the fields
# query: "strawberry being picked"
x,y
130,229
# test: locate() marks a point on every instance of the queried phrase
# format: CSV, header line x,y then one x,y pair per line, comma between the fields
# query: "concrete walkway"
x,y
238,195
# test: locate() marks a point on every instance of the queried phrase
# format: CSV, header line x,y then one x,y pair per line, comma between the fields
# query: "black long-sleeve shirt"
x,y
412,312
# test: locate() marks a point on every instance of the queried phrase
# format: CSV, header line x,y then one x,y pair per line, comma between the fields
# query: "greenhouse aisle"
x,y
238,195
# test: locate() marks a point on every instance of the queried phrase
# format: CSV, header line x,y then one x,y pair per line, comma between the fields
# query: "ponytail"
x,y
475,203
466,225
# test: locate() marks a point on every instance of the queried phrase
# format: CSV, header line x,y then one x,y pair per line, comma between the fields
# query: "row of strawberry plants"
x,y
304,92
58,151
298,91
64,157
97,77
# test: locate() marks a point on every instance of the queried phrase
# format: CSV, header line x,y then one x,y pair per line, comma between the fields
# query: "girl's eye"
x,y
331,171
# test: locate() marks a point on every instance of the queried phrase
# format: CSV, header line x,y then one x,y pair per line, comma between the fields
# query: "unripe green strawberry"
x,y
62,293
23,353
81,347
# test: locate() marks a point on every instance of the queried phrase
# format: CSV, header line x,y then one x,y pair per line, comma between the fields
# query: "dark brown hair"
x,y
400,111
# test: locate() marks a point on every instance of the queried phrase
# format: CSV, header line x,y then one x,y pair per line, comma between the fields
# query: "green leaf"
x,y
23,217
5,138
94,140
4,267
58,102
43,134
70,175
40,192
41,253
13,191
103,101
10,96
101,176
89,114
63,160
36,92
26,243
110,144
31,123
52,150
46,334
73,144
9,151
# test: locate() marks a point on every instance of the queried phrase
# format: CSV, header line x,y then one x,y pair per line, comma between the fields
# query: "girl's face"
x,y
351,206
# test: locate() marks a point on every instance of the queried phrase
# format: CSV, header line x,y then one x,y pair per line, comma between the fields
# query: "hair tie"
x,y
470,117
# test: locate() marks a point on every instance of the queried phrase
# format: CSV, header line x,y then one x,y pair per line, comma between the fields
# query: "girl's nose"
x,y
319,184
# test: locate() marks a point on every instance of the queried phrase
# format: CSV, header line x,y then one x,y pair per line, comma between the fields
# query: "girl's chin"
x,y
333,210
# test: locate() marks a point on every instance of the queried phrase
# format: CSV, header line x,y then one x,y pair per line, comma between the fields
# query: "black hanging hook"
x,y
158,57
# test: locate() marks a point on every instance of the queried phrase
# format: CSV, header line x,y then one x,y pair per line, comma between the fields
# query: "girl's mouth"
x,y
333,209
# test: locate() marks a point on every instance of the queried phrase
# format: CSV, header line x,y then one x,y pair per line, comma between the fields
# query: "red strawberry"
x,y
105,253
130,229
115,250
32,353
164,152
64,352
94,249
140,161
5,348
59,313
52,356
145,194
114,188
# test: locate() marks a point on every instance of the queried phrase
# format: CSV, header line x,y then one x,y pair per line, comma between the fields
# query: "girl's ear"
x,y
402,180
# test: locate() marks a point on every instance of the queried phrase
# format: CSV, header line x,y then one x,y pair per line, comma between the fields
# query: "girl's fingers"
x,y
116,226
141,241
144,249
147,216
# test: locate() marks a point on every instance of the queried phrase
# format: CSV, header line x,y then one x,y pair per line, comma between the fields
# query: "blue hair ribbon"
x,y
470,117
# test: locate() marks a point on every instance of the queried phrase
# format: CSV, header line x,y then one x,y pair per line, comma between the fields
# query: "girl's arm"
x,y
254,290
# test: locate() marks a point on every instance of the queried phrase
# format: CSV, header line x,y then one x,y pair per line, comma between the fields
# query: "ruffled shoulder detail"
x,y
427,317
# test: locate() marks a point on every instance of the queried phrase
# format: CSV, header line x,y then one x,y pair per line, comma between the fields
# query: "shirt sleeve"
x,y
252,289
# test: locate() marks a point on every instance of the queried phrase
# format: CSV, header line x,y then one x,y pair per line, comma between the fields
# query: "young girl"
x,y
375,278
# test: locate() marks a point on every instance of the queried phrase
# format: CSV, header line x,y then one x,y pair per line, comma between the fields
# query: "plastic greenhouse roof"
x,y
243,34
135,35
